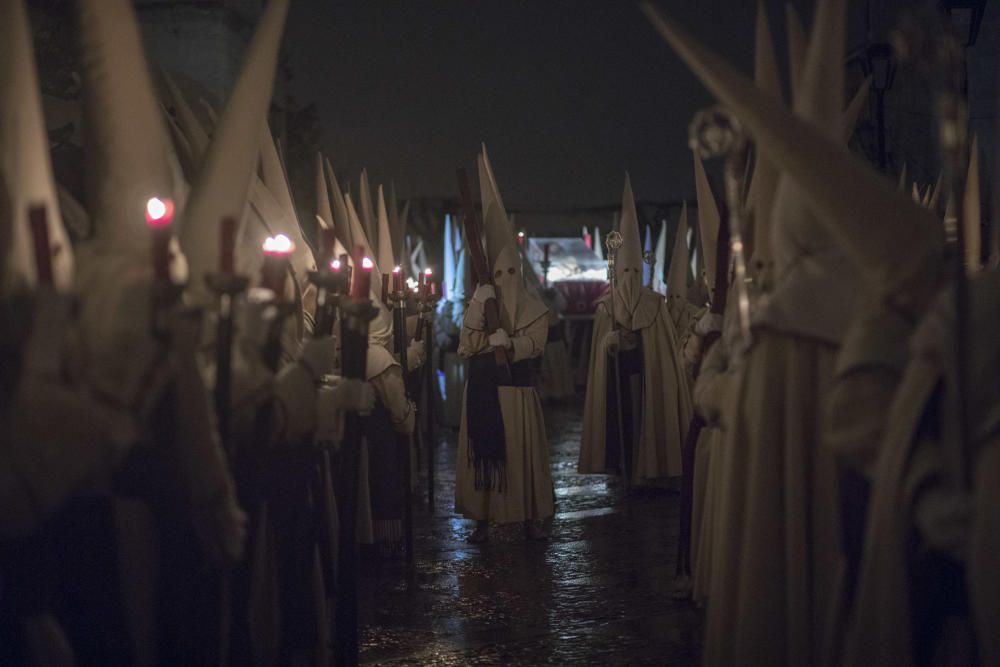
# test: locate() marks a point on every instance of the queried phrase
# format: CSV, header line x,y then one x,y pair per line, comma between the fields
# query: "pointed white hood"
x,y
364,206
276,182
230,162
449,259
677,287
130,160
708,221
500,232
129,149
324,214
386,255
764,184
461,287
323,210
628,262
379,329
661,260
341,220
518,306
397,221
26,170
889,238
404,220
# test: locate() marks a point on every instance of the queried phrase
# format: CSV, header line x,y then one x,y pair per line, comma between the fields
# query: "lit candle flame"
x,y
428,272
278,245
398,269
335,265
367,264
159,211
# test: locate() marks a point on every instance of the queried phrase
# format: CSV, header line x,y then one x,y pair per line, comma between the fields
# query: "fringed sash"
x,y
487,437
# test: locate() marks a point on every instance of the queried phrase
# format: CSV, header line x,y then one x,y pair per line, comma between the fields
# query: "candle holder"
x,y
329,291
273,273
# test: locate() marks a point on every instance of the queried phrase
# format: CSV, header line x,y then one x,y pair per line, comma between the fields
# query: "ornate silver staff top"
x,y
715,132
650,260
613,242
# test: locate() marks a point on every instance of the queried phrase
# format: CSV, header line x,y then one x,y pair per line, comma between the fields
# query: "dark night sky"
x,y
566,94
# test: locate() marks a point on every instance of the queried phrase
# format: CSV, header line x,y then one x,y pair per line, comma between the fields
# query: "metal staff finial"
x,y
649,258
715,132
614,243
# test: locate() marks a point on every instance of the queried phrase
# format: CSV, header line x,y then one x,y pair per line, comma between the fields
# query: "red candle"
x,y
385,288
397,280
362,279
425,283
38,219
227,242
272,274
159,213
545,249
520,238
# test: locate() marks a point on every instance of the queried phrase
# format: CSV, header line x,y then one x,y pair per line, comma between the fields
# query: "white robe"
x,y
666,400
528,495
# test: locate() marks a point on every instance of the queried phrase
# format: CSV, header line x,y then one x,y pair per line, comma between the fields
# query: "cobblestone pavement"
x,y
598,592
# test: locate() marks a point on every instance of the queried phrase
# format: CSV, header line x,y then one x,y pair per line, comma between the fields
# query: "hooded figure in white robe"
x,y
655,398
717,361
890,411
773,591
503,471
382,470
555,373
448,325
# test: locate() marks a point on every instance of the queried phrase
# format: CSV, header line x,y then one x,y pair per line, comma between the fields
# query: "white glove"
x,y
319,355
484,293
253,319
626,340
354,396
416,355
499,338
692,351
709,323
329,416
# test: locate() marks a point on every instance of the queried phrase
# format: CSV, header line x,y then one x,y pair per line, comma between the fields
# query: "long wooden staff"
x,y
480,267
614,242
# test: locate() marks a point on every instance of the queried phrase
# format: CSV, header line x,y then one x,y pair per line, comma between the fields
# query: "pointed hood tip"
x,y
30,181
227,176
134,161
824,170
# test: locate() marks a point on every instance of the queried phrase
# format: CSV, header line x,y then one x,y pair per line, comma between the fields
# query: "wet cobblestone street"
x,y
598,592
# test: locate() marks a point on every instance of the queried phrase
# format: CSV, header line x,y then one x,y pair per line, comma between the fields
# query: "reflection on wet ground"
x,y
598,592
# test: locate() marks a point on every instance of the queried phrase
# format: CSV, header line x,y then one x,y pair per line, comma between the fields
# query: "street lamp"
x,y
966,17
877,62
